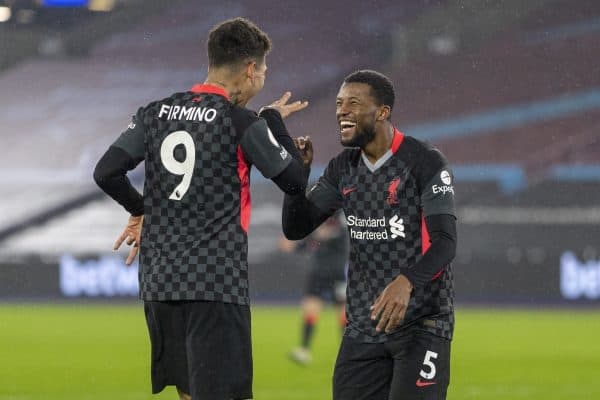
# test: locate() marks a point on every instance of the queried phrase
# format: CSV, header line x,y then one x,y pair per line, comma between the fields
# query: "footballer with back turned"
x,y
191,223
398,197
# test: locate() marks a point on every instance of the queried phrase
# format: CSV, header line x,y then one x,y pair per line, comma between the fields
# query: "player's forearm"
x,y
442,233
110,175
300,217
292,179
279,130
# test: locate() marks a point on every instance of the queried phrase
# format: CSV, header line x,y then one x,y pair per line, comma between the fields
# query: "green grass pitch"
x,y
84,351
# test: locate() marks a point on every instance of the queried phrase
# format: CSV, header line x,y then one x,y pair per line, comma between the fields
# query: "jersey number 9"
x,y
185,167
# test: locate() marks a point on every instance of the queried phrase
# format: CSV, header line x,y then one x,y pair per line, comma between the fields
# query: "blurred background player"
x,y
192,222
326,280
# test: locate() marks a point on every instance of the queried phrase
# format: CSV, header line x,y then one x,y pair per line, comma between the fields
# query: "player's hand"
x,y
305,147
391,304
284,108
132,236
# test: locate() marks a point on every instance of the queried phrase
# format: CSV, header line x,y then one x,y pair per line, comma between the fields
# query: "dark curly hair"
x,y
235,40
382,88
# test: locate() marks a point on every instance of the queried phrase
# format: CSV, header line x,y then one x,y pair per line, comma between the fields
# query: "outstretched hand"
x,y
391,304
305,147
284,108
132,236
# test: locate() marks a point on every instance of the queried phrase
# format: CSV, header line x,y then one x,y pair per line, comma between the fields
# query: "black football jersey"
x,y
385,205
198,149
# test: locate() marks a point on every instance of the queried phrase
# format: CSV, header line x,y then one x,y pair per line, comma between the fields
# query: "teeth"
x,y
346,124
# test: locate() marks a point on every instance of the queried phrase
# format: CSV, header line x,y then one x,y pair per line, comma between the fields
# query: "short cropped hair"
x,y
382,88
235,40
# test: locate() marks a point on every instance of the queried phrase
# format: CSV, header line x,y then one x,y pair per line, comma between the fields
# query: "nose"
x,y
341,110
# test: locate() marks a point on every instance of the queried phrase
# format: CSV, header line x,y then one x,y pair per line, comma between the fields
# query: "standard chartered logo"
x,y
397,227
375,228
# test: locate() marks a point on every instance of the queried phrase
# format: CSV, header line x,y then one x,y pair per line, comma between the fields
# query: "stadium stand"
x,y
78,106
480,95
512,113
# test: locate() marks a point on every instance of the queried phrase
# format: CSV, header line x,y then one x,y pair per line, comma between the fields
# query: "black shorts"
x,y
415,367
326,283
201,347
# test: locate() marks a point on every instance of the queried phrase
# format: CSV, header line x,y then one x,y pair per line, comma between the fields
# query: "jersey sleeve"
x,y
264,151
132,139
303,213
325,193
437,188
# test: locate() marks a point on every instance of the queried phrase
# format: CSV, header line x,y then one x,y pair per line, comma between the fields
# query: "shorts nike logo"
x,y
420,383
348,190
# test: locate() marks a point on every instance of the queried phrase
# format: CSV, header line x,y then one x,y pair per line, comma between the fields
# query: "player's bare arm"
x,y
391,304
132,236
285,109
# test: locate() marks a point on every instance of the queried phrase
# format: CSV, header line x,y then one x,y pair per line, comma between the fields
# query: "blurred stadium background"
x,y
509,90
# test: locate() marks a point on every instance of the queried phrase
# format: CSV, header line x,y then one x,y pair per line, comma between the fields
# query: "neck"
x,y
376,148
228,84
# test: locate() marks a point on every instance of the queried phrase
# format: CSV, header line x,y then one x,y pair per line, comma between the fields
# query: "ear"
x,y
250,69
383,113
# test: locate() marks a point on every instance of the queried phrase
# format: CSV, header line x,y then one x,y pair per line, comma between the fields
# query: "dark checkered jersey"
x,y
385,206
198,149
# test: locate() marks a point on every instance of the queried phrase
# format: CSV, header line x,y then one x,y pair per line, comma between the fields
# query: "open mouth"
x,y
347,127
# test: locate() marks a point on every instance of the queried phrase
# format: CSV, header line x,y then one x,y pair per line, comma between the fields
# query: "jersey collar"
x,y
207,88
397,140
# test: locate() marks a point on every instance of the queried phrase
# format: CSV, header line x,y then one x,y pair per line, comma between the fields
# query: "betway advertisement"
x,y
495,264
579,279
106,276
525,264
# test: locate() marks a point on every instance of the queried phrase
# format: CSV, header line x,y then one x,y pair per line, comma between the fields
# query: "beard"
x,y
361,138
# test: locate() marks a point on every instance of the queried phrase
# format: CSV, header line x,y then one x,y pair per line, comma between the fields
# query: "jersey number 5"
x,y
185,167
428,363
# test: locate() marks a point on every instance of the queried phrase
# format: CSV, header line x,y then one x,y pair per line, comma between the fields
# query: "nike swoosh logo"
x,y
347,191
420,383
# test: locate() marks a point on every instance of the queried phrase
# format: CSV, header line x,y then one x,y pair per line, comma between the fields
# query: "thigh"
x,y
362,371
219,351
339,290
421,367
